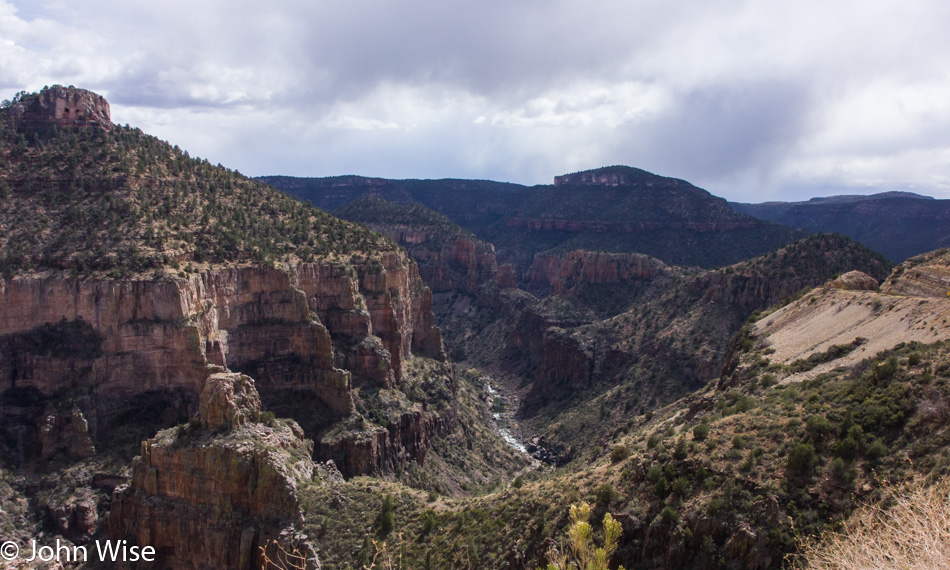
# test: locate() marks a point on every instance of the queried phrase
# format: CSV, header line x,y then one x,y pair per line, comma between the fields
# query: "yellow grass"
x,y
913,534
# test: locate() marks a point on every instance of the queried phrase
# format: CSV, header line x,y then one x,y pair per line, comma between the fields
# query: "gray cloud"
x,y
751,100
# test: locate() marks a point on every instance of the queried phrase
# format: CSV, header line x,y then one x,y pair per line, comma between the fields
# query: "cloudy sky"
x,y
750,99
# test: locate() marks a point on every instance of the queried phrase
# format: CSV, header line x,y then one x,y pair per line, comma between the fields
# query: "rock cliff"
x,y
561,274
926,275
676,333
66,106
450,259
305,331
220,492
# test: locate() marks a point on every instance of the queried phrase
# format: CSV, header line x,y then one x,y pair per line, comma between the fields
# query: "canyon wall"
x,y
560,273
305,331
451,263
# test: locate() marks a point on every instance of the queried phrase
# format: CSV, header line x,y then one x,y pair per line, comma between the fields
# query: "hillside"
x,y
197,361
135,277
109,200
591,371
897,224
615,209
734,475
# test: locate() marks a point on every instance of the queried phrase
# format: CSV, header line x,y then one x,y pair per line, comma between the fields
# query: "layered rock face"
x,y
463,263
926,275
699,312
448,261
66,106
221,494
559,274
307,330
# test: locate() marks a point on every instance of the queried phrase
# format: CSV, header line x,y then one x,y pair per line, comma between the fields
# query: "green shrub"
x,y
817,427
701,432
802,459
268,419
847,448
840,471
428,521
876,450
619,453
387,516
738,442
768,380
680,451
669,515
605,494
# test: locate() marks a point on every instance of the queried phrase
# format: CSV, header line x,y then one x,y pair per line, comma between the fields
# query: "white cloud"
x,y
752,100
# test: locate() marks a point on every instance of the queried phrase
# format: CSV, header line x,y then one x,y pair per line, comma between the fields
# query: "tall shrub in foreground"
x,y
580,551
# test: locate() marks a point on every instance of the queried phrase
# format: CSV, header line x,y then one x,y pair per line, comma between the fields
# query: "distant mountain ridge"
x,y
897,224
615,209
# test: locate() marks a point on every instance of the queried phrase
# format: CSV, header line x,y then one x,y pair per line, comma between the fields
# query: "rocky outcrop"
x,y
560,274
926,275
567,365
854,281
305,330
593,178
68,106
374,450
76,515
66,432
221,494
527,339
451,263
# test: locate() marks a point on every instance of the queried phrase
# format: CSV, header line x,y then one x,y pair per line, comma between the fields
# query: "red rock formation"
x,y
566,366
559,274
213,496
462,263
64,106
304,328
375,450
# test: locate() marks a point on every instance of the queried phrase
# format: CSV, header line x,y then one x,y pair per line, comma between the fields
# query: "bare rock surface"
x,y
222,498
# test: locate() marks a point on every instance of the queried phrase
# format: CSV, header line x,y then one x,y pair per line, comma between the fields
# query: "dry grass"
x,y
913,534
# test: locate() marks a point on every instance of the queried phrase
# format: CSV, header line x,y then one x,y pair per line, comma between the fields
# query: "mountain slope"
x,y
615,209
112,200
672,339
897,224
134,274
733,475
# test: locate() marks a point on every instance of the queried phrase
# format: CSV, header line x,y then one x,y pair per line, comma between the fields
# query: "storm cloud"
x,y
751,100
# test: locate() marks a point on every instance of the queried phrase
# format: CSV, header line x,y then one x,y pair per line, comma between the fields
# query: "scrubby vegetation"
x,y
373,210
707,483
119,202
